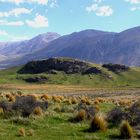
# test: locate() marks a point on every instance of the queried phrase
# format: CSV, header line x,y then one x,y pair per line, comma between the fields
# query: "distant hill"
x,y
89,45
67,71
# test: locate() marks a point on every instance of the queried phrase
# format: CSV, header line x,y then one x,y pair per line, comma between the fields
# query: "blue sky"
x,y
24,19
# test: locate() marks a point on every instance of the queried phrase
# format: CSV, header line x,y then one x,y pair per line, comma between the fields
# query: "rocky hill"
x,y
52,65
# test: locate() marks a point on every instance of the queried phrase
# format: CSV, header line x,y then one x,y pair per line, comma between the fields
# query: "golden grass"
x,y
38,111
1,111
98,123
126,131
81,115
21,132
30,132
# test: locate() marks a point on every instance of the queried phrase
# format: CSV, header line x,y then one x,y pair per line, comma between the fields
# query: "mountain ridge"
x,y
90,45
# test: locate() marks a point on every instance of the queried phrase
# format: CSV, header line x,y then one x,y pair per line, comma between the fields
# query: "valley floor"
x,y
54,124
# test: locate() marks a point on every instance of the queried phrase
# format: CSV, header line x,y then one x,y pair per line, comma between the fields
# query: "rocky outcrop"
x,y
116,67
67,65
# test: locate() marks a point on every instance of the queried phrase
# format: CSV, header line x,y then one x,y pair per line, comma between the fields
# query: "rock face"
x,y
37,79
69,66
116,67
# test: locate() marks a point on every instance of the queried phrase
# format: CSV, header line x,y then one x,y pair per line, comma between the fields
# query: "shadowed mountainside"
x,y
90,45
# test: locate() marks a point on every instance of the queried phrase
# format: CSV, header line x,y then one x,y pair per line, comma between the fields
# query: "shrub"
x,y
126,131
27,104
7,107
38,111
131,114
21,132
98,123
90,110
116,115
134,114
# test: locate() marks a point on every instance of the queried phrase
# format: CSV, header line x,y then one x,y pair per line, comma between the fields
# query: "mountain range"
x,y
90,45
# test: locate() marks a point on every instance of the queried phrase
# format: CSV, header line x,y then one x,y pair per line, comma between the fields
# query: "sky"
x,y
24,19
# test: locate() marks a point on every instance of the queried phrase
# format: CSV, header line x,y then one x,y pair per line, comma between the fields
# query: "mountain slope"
x,y
90,45
17,49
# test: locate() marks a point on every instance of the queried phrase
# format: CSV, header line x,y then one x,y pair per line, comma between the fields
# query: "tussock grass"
x,y
38,111
126,131
21,132
81,115
98,123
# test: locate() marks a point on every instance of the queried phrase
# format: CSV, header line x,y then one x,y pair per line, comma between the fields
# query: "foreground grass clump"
x,y
126,131
30,132
80,116
21,132
98,123
38,111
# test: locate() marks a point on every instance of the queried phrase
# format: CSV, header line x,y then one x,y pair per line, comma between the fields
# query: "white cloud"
x,y
53,3
3,33
134,8
135,4
18,38
133,1
15,12
11,23
104,10
38,22
17,2
92,8
98,1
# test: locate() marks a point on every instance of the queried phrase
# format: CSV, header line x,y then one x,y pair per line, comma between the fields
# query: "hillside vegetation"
x,y
72,72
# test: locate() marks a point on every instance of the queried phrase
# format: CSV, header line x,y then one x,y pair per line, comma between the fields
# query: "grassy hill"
x,y
87,75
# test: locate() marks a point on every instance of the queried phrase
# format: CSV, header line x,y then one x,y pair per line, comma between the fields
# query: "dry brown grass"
x,y
35,96
74,100
81,115
10,97
38,111
98,123
126,131
46,97
1,111
30,132
21,132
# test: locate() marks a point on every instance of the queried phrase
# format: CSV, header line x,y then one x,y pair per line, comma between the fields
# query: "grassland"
x,y
55,123
121,89
130,78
